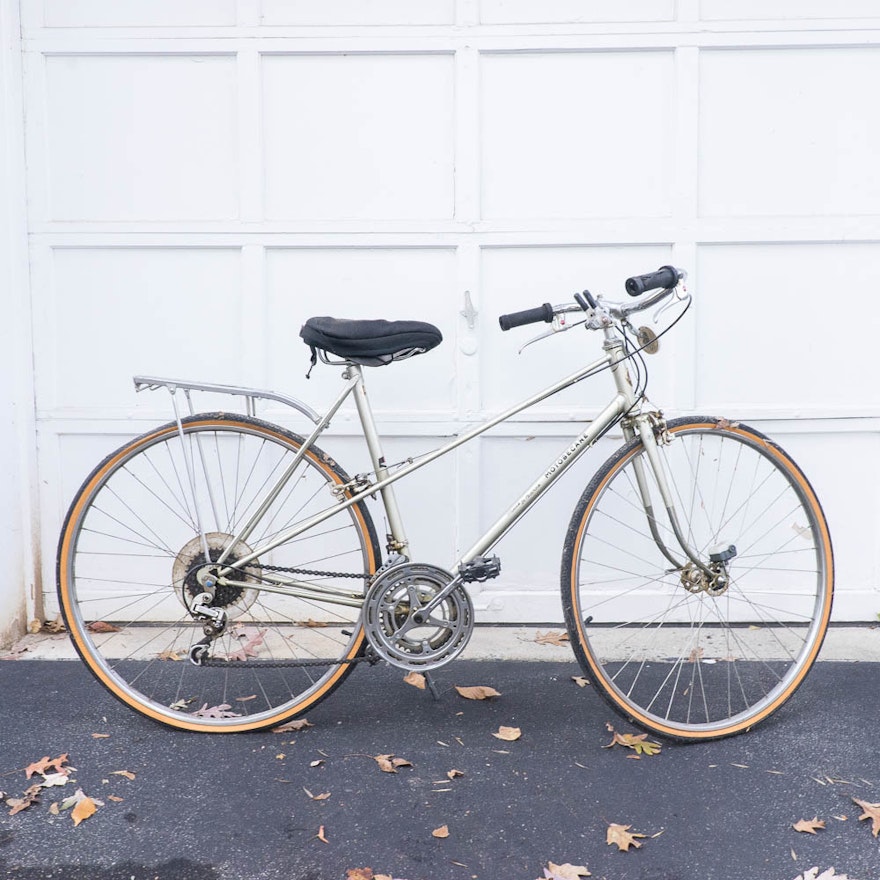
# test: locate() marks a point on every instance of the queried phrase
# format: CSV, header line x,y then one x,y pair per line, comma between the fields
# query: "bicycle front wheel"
x,y
134,541
681,654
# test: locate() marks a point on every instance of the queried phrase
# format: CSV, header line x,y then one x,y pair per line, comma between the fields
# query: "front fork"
x,y
696,574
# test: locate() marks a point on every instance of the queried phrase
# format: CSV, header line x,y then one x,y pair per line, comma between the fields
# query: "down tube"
x,y
597,427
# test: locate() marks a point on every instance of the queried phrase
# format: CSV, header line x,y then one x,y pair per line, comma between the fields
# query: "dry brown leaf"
x,y
169,655
360,874
101,626
45,763
565,872
100,736
317,797
54,626
560,639
416,679
29,798
126,773
809,826
872,812
35,626
321,835
580,681
312,624
639,743
224,710
813,874
296,724
477,692
115,799
452,774
621,836
83,809
249,648
508,734
390,763
441,832
54,809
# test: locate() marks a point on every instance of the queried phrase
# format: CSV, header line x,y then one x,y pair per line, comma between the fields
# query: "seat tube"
x,y
397,540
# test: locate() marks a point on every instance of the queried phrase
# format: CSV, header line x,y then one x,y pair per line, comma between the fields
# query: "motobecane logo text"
x,y
560,462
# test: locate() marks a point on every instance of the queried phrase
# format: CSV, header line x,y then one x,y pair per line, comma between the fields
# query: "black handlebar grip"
x,y
528,316
665,276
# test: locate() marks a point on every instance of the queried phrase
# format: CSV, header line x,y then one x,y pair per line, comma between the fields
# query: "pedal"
x,y
479,569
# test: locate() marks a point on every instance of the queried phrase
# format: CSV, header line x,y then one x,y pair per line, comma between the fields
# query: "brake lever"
x,y
558,325
679,295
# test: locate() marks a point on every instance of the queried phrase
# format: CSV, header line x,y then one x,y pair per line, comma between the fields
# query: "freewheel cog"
x,y
399,630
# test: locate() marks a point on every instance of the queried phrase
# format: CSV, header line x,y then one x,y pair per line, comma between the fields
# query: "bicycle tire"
x,y
129,548
664,652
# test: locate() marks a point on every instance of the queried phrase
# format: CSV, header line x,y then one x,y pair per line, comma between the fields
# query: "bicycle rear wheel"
x,y
131,546
668,649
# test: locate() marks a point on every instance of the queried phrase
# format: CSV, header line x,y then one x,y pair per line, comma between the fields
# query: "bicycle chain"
x,y
266,664
340,574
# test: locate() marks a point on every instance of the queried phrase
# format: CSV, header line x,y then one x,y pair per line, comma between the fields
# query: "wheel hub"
x,y
234,599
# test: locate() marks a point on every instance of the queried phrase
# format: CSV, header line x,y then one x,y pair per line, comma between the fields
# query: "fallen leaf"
x,y
560,639
452,774
101,626
317,797
321,836
813,874
169,655
416,679
245,699
116,800
52,779
54,626
359,874
45,763
296,724
35,626
317,763
477,692
872,812
809,826
28,799
508,734
53,809
312,624
621,836
249,648
180,705
280,756
441,832
841,818
639,743
390,763
126,773
100,736
565,872
580,681
84,808
224,710
696,654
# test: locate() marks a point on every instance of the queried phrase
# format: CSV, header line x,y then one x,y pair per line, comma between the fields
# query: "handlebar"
x,y
527,316
666,278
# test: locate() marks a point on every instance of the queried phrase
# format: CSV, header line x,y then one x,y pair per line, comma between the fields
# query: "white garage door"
x,y
204,176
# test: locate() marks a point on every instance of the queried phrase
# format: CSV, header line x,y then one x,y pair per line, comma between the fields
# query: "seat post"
x,y
397,541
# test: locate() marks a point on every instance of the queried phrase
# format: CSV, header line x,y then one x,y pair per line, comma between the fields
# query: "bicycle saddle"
x,y
370,343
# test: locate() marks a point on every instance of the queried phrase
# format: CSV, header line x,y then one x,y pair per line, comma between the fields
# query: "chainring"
x,y
393,604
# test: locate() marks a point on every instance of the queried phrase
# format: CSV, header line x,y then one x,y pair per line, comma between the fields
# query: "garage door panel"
x,y
358,136
356,12
558,137
114,312
767,342
141,137
786,132
581,11
746,10
135,13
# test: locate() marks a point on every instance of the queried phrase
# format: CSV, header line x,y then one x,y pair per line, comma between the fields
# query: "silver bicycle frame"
x,y
621,404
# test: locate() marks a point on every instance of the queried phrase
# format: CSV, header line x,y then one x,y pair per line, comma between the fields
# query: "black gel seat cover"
x,y
376,341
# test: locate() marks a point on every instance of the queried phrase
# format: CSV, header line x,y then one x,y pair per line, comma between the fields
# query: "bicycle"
x,y
223,574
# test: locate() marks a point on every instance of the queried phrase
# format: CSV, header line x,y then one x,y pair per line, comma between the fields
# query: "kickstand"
x,y
432,686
